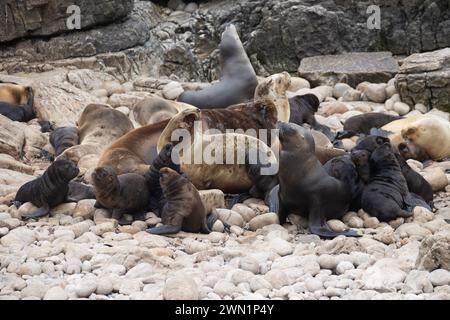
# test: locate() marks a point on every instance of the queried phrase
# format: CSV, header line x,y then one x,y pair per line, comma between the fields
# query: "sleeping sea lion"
x,y
63,138
15,110
49,190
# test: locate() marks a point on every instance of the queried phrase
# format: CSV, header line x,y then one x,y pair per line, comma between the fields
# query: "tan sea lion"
x,y
14,93
134,151
98,126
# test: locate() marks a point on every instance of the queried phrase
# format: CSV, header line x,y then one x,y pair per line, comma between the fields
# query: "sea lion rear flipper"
x,y
413,200
318,225
447,220
209,222
272,199
344,134
42,211
165,229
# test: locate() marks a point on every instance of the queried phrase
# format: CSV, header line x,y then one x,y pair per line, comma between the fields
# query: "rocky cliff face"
x,y
32,18
159,41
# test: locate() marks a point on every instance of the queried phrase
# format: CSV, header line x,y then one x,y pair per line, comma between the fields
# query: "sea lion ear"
x,y
409,131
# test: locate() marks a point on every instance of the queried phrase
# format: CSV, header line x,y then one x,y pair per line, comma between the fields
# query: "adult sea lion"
x,y
305,187
63,138
15,93
98,126
134,151
49,190
410,150
214,161
184,209
238,81
14,110
155,109
274,88
126,193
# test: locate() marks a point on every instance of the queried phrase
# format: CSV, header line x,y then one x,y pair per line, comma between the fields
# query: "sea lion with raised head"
x,y
184,209
49,190
123,194
305,187
238,81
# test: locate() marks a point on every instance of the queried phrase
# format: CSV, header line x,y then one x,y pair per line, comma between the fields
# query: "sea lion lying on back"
x,y
184,209
64,138
14,110
126,193
49,190
238,80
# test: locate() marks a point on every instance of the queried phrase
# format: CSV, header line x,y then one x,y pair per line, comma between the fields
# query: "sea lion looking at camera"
x,y
49,190
305,187
126,193
184,209
238,81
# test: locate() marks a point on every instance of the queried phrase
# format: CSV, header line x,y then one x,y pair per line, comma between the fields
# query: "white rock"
x,y
351,95
172,90
224,288
436,178
376,92
384,275
277,278
313,284
422,215
85,288
339,89
180,288
401,108
130,286
337,225
280,246
141,271
298,83
246,213
263,220
344,266
104,286
249,264
440,277
417,282
390,91
421,108
218,226
31,268
56,293
230,217
258,283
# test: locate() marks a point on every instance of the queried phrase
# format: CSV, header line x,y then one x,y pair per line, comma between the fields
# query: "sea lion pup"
x,y
19,112
361,124
156,109
126,193
184,209
410,150
238,81
49,190
15,93
221,157
134,151
432,134
384,196
417,185
152,176
63,138
305,187
343,169
98,126
303,108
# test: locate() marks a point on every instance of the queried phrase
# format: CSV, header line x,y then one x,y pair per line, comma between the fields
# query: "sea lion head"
x,y
104,176
295,137
168,177
360,157
274,86
167,159
410,150
230,44
309,100
184,120
370,143
383,154
64,170
412,133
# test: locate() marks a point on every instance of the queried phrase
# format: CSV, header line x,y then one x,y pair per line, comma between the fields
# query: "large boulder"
x,y
352,68
425,78
49,17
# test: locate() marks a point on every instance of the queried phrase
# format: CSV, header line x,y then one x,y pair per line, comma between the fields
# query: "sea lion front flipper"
x,y
344,134
447,220
413,200
319,226
272,199
165,229
42,211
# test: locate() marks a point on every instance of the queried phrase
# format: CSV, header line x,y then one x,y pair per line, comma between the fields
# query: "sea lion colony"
x,y
133,176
